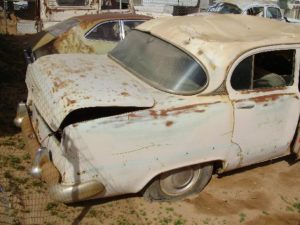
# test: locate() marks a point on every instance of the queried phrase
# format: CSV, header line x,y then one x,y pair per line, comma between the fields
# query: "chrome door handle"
x,y
245,105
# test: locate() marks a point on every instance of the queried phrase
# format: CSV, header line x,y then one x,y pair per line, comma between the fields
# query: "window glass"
x,y
224,8
109,31
160,64
130,24
273,13
71,2
265,70
256,11
114,4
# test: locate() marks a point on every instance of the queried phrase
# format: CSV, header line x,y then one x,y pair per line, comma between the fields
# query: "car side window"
x,y
108,31
130,24
273,13
264,70
256,11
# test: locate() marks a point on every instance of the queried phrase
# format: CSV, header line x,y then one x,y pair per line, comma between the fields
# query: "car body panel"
x,y
126,150
172,132
64,83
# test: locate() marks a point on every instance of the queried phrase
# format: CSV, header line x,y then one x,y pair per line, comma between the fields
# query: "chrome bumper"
x,y
21,113
45,169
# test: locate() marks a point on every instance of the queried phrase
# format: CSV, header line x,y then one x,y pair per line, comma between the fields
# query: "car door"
x,y
103,37
264,92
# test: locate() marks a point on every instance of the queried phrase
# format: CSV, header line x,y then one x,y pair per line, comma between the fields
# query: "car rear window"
x,y
160,63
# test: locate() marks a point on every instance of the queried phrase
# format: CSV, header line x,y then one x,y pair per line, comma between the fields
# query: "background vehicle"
x,y
253,8
83,34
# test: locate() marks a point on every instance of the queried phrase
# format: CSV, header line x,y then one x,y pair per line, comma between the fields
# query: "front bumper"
x,y
45,169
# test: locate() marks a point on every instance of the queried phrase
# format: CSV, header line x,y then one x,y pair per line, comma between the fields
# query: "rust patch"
x,y
267,98
125,94
59,84
86,24
169,123
133,115
153,113
185,108
70,102
262,90
179,110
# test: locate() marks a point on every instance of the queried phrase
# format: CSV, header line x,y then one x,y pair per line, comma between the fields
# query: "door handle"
x,y
245,105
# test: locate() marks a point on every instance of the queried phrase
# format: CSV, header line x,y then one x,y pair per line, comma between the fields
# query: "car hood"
x,y
62,83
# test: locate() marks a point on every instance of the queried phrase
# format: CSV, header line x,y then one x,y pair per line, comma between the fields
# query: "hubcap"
x,y
179,182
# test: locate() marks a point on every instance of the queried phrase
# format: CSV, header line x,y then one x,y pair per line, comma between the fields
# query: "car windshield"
x,y
160,64
224,8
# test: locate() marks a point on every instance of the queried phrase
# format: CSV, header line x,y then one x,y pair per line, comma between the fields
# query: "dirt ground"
x,y
265,194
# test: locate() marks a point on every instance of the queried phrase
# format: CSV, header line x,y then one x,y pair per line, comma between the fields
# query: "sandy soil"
x,y
265,194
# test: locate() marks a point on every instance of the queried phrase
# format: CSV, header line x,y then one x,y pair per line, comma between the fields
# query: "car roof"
x,y
217,40
244,4
111,16
86,22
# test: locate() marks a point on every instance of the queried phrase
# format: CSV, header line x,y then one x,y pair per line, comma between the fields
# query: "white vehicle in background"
x,y
266,9
20,5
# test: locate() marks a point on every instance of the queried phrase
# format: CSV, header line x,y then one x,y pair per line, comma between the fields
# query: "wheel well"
x,y
218,167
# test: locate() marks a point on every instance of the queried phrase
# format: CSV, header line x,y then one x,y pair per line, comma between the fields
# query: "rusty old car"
x,y
178,98
97,33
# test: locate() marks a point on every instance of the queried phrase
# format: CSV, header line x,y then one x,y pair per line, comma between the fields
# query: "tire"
x,y
179,183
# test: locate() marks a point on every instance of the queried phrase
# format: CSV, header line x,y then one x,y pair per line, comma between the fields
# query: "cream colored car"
x,y
178,98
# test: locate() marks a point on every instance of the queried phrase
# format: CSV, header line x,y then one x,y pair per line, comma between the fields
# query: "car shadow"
x,y
12,77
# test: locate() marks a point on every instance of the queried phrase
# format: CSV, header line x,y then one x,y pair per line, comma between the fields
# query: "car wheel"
x,y
179,183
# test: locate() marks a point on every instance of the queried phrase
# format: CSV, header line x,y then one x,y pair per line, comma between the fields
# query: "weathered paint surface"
x,y
127,150
134,147
63,83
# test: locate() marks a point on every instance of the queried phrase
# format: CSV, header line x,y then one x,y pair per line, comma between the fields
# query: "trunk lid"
x,y
60,84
